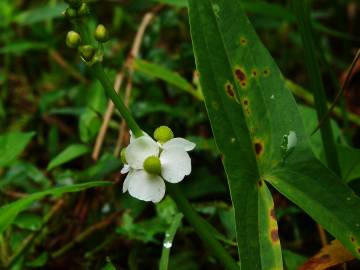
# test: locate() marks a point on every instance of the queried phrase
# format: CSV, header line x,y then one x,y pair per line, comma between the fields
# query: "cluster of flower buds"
x,y
89,54
76,9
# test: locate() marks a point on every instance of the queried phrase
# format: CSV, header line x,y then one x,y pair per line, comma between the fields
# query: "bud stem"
x,y
99,73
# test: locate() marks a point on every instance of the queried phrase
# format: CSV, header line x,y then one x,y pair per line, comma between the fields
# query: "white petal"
x,y
140,149
175,164
180,142
146,187
127,180
125,169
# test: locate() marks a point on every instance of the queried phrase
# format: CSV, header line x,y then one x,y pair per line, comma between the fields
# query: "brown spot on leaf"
x,y
352,238
258,148
246,102
260,183
229,89
240,75
243,41
274,235
266,72
272,213
254,73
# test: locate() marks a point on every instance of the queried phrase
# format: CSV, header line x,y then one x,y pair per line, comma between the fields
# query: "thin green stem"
x,y
202,229
99,73
342,89
169,238
302,11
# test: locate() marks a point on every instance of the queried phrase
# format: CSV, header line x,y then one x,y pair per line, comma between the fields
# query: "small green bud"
x,y
163,134
73,39
101,33
152,165
83,10
123,155
71,13
74,3
87,52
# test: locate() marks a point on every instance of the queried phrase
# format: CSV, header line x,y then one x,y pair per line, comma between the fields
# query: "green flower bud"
x,y
101,33
152,165
163,134
70,13
83,10
74,3
123,155
73,39
87,52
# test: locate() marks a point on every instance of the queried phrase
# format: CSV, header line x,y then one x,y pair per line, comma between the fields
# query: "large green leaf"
x,y
10,211
259,132
11,145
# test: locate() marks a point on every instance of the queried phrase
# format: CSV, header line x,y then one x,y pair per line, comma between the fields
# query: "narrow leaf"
x,y
71,152
10,211
11,145
164,74
40,14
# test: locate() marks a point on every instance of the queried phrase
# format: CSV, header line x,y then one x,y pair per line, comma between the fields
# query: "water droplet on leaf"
x,y
290,140
167,244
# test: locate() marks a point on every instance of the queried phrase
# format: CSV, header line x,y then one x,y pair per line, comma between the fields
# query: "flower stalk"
x,y
99,73
202,229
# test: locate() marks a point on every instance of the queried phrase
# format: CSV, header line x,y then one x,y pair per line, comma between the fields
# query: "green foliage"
x,y
46,88
10,211
251,111
71,152
11,145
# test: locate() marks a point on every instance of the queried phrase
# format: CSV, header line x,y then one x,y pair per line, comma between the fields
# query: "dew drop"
x,y
272,97
233,140
167,244
291,140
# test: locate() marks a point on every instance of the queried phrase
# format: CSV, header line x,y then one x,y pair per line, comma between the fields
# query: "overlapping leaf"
x,y
260,134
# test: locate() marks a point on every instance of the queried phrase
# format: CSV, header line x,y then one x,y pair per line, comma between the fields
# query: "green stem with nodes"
x,y
202,228
99,73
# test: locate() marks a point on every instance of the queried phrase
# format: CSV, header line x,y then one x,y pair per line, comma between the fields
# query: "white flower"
x,y
149,163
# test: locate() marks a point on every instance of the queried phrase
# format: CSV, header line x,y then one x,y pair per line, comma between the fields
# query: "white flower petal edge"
x,y
140,149
179,142
175,164
125,169
145,187
127,180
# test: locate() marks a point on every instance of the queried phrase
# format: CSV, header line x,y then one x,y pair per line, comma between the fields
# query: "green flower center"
x,y
163,134
152,165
